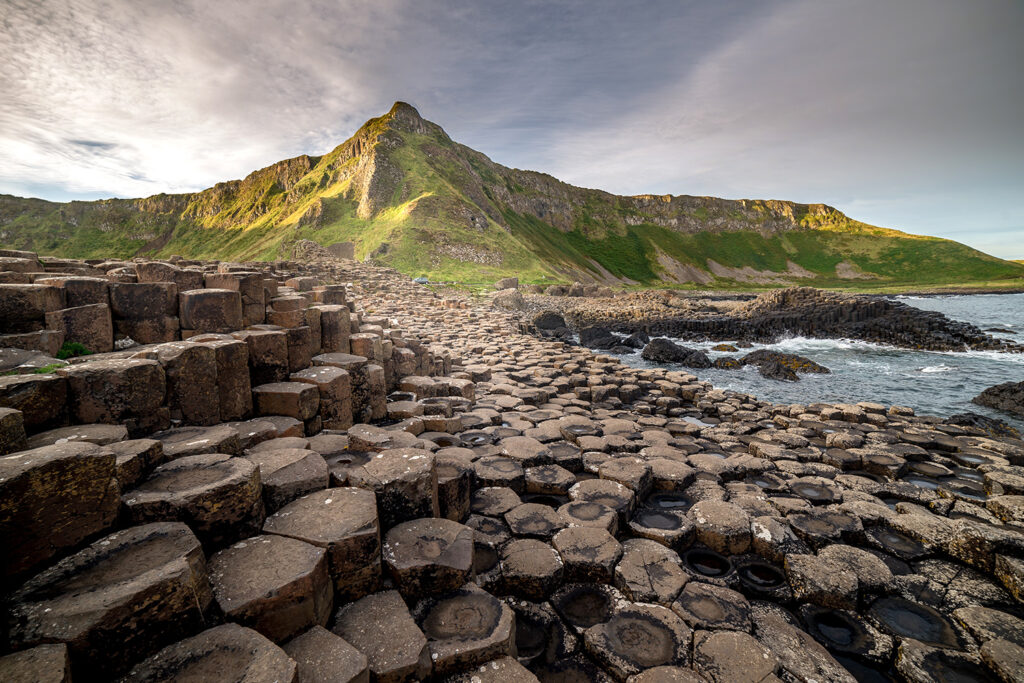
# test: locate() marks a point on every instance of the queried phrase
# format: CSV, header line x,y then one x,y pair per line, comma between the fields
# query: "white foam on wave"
x,y
938,368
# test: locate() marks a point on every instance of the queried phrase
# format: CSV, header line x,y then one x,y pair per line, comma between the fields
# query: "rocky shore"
x,y
796,311
322,471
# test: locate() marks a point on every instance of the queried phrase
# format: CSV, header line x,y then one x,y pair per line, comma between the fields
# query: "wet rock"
x,y
218,496
598,338
704,606
541,637
846,633
639,637
907,619
344,521
917,662
323,656
465,628
663,350
229,652
428,556
276,585
381,627
131,593
530,568
40,664
1007,397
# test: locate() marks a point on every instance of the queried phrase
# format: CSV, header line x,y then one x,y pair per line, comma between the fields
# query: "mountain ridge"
x,y
410,196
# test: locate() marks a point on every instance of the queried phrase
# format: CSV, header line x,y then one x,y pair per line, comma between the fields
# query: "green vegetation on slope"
x,y
409,196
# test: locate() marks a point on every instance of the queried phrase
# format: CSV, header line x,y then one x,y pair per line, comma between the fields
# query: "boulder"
x,y
662,350
598,338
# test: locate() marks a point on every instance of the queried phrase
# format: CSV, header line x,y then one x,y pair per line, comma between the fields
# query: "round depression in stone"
x,y
908,619
462,615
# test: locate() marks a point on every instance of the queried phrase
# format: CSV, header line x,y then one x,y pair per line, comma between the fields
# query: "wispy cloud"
x,y
903,114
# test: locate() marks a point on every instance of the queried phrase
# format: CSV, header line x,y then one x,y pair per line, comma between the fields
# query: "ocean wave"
x,y
938,368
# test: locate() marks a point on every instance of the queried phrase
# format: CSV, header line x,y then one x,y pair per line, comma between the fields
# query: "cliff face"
x,y
404,191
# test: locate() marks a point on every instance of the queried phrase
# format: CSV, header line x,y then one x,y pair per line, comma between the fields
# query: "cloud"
x,y
903,114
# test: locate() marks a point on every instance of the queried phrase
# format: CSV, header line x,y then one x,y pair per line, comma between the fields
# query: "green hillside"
x,y
410,197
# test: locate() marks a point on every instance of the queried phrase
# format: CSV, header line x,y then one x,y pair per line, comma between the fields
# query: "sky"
x,y
906,114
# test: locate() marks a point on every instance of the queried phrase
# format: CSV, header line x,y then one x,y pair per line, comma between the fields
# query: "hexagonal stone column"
x,y
40,664
324,656
531,569
405,481
381,627
721,526
466,627
228,652
649,572
292,399
276,585
129,593
639,637
289,473
217,495
589,553
191,369
268,355
209,310
89,326
234,388
344,521
427,556
335,387
52,499
128,392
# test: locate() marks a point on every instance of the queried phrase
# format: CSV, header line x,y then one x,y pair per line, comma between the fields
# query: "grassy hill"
x,y
409,196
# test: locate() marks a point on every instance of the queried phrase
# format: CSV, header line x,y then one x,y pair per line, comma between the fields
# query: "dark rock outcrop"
x,y
598,338
1008,397
663,350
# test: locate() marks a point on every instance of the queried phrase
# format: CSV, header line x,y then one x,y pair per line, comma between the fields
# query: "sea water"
x,y
931,382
